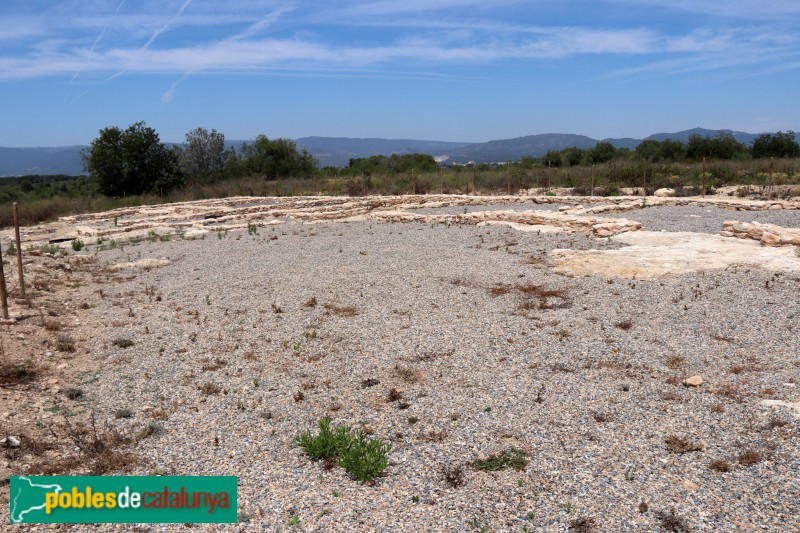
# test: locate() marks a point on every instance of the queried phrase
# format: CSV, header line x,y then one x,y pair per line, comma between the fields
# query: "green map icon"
x,y
28,498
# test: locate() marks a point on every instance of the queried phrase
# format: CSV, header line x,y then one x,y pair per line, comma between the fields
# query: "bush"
x,y
77,245
364,459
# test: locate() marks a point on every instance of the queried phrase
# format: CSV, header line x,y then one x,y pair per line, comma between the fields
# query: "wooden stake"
x,y
703,181
592,193
3,293
19,252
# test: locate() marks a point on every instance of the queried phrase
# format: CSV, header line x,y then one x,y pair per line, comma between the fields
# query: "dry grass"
x,y
65,343
751,457
408,374
624,324
210,365
345,311
672,522
453,476
720,465
674,362
676,444
209,388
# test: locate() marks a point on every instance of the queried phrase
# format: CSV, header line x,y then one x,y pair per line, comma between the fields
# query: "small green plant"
x,y
116,221
363,458
294,521
563,334
165,238
12,249
112,244
510,458
252,229
327,444
208,299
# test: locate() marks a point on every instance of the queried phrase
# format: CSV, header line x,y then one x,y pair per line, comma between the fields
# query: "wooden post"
x,y
591,194
644,180
769,185
703,179
19,252
3,293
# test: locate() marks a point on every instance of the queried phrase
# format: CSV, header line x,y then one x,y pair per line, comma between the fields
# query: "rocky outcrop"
x,y
766,234
601,227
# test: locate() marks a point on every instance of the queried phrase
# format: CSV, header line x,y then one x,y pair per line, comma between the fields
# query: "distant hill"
x,y
683,136
45,161
337,151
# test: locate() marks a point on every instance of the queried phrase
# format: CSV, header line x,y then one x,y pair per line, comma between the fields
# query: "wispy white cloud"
x,y
294,36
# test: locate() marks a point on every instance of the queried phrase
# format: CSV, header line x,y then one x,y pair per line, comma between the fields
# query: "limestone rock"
x,y
694,381
767,234
690,485
664,193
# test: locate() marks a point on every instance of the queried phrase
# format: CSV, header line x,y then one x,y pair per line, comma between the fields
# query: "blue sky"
x,y
470,70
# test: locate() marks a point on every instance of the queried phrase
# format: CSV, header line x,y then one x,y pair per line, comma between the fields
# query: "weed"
x,y
12,249
294,521
750,457
583,524
409,375
123,413
276,309
370,382
65,343
311,302
624,325
122,343
674,362
394,395
16,373
720,465
676,444
209,388
672,522
73,393
252,229
77,245
364,459
150,429
210,365
345,311
453,476
602,417
208,299
510,458
563,334
298,396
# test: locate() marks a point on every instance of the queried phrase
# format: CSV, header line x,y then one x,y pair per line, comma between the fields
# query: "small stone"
x,y
11,441
690,485
694,381
52,381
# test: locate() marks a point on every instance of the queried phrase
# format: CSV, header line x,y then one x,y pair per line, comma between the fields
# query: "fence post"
x,y
771,170
591,194
3,292
703,179
19,252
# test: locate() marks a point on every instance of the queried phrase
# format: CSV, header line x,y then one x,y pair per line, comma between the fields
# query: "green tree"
x,y
572,156
276,159
203,157
131,162
722,146
552,158
649,150
602,152
776,145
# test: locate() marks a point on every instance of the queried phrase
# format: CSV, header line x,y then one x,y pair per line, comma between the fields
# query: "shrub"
x,y
363,458
511,458
77,245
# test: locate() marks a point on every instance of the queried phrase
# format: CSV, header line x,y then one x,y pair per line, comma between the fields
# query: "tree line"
x,y
134,161
722,147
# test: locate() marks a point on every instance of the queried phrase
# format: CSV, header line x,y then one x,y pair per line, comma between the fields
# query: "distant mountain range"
x,y
337,151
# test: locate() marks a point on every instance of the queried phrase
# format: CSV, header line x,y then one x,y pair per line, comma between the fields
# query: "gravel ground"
x,y
476,208
703,219
587,384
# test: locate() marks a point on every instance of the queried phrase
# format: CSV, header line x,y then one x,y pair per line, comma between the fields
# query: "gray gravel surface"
x,y
587,384
703,219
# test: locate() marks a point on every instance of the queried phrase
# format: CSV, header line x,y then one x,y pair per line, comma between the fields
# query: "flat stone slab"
x,y
652,254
